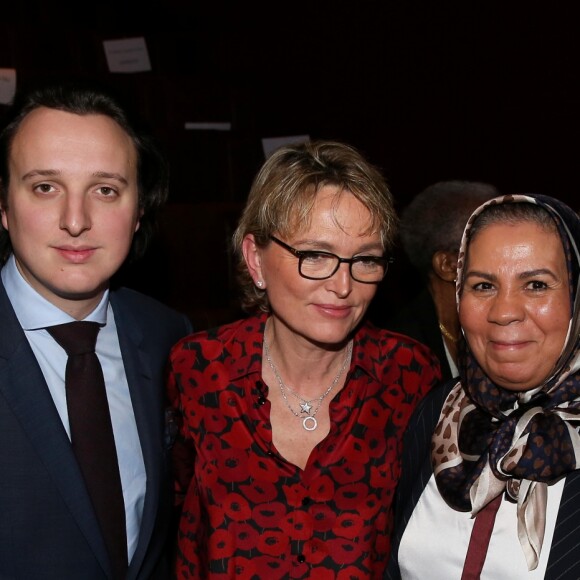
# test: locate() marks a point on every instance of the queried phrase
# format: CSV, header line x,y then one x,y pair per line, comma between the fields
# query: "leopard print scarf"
x,y
491,441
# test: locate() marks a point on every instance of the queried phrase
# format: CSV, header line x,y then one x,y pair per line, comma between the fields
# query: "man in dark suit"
x,y
79,189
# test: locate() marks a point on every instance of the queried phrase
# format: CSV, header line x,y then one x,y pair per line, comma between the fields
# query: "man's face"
x,y
72,205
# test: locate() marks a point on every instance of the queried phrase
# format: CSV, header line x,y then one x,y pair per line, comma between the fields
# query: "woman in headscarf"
x,y
490,486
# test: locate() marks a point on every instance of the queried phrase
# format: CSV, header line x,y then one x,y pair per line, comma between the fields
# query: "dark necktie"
x,y
92,437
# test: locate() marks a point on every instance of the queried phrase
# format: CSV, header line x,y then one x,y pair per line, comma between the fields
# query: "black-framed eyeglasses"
x,y
315,265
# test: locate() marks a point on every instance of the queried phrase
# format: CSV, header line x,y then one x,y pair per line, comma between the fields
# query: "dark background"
x,y
426,90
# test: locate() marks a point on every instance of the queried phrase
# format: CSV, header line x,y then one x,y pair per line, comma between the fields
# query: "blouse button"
x,y
261,401
302,558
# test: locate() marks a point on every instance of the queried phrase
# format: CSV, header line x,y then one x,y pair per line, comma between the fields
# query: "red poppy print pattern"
x,y
249,513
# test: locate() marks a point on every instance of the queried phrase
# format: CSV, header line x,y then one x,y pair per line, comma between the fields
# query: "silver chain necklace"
x,y
309,422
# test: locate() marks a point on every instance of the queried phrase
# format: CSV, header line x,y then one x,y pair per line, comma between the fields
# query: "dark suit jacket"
x,y
564,560
47,526
418,319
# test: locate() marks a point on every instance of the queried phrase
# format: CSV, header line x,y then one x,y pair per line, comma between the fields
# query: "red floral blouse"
x,y
249,513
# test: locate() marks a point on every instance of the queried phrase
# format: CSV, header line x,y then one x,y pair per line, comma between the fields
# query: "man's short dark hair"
x,y
434,220
85,98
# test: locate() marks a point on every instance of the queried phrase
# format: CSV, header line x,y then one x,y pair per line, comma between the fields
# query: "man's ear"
x,y
138,224
444,265
3,208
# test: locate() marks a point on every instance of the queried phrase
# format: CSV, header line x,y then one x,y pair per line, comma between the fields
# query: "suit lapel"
x,y
143,398
429,331
416,468
24,388
564,561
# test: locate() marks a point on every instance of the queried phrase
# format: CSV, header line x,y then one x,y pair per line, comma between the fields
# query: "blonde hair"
x,y
284,191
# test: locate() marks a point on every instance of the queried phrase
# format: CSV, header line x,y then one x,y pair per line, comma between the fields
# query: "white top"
x,y
435,541
452,366
35,314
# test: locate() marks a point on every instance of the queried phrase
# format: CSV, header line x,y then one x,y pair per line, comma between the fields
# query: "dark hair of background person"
x,y
87,98
435,219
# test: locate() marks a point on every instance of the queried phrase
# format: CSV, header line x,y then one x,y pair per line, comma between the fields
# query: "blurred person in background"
x,y
430,233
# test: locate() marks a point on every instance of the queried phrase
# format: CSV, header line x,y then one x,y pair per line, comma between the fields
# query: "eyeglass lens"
x,y
320,266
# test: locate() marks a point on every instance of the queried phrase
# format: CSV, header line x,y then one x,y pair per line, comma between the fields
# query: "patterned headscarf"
x,y
490,440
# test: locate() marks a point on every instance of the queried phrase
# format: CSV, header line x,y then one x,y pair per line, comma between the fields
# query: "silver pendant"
x,y
309,420
306,407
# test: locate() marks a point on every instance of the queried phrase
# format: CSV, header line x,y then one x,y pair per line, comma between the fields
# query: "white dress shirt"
x,y
435,541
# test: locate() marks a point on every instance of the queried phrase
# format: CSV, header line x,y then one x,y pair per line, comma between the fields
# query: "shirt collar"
x,y
33,310
253,341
